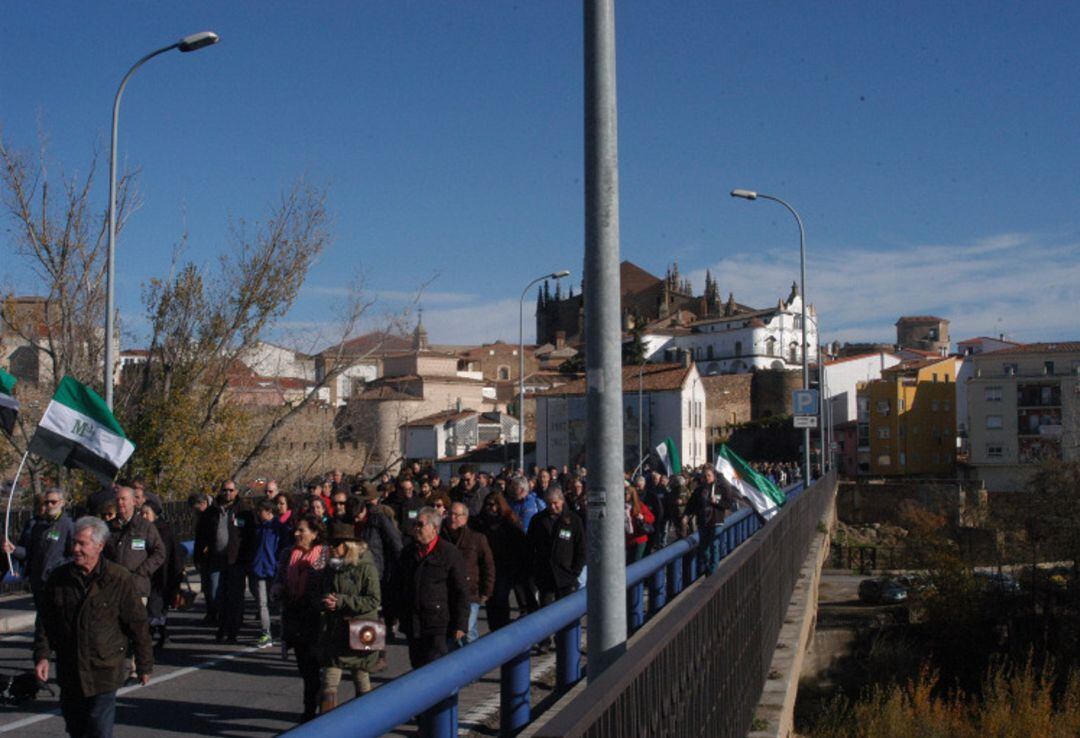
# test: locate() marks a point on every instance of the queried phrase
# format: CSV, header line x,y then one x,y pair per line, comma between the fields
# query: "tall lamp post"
x,y
194,42
521,362
751,195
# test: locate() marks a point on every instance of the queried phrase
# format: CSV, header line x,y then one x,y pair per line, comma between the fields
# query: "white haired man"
x,y
92,611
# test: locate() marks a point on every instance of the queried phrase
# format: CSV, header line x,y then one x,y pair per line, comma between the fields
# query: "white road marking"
x,y
124,690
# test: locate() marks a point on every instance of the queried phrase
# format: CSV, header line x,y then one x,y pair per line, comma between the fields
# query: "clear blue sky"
x,y
932,148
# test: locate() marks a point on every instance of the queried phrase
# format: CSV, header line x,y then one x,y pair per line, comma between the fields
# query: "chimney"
x,y
686,359
560,340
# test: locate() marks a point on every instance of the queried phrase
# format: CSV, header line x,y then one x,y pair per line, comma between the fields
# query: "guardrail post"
x,y
514,685
690,565
674,577
568,657
635,604
440,720
657,590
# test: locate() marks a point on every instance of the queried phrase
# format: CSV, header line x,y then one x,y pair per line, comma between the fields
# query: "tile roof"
x,y
654,378
920,319
384,392
980,339
1053,347
634,279
375,342
446,416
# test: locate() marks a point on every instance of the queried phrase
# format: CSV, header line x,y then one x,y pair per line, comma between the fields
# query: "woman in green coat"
x,y
350,590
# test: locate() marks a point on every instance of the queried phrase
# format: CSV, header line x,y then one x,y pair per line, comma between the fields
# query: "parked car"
x,y
992,581
882,591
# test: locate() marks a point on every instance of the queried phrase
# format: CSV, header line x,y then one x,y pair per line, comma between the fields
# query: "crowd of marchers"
x,y
410,554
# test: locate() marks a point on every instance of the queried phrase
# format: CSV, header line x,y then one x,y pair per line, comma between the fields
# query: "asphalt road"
x,y
202,688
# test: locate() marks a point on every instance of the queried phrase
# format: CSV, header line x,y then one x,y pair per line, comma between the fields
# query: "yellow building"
x,y
909,419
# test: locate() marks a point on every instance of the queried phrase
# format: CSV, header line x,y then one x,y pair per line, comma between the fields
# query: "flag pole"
x,y
7,513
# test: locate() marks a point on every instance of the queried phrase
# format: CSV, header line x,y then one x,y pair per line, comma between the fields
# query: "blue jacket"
x,y
268,539
526,508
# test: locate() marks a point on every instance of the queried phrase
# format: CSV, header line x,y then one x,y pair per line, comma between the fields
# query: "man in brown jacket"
x,y
479,562
136,544
90,612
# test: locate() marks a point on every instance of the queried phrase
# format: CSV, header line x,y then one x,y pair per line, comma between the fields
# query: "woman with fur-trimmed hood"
x,y
350,590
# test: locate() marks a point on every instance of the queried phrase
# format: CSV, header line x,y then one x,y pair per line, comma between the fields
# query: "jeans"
x,y
708,552
211,581
474,613
89,717
260,591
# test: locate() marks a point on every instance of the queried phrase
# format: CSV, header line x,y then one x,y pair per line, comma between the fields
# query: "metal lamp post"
x,y
752,195
521,362
194,42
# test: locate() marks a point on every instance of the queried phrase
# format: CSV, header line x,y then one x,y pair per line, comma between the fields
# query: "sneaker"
x,y
265,641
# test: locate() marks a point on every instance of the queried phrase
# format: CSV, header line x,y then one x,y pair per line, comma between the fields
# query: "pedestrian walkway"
x,y
201,688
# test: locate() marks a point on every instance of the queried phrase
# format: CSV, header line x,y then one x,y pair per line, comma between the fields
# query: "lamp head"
x,y
744,194
560,274
196,41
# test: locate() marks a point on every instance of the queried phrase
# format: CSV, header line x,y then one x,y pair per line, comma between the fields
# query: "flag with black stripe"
x,y
9,406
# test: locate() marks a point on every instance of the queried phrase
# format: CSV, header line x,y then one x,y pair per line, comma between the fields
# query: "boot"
x,y
328,703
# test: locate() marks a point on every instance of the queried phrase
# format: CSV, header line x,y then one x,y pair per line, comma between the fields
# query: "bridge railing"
x,y
701,668
430,692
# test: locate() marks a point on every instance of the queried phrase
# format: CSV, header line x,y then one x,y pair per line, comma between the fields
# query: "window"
x,y
1048,367
883,431
935,406
936,432
1009,369
933,377
884,460
903,459
504,372
946,406
937,459
883,407
709,352
994,422
902,404
738,348
993,451
992,394
770,346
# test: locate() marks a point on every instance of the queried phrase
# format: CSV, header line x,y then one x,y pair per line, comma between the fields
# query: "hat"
x,y
341,531
370,491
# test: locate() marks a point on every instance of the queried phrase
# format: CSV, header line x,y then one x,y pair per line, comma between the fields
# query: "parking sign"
x,y
804,402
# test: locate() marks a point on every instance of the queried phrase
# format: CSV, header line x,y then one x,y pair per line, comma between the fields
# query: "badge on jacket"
x,y
564,534
53,535
138,544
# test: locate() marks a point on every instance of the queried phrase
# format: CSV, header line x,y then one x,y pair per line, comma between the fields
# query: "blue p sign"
x,y
804,402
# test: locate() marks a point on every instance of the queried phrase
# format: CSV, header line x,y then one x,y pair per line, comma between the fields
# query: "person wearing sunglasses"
x,y
45,541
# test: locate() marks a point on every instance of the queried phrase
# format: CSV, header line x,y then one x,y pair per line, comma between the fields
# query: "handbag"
x,y
366,635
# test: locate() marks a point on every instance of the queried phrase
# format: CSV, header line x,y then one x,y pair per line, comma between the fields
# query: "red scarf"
x,y
301,563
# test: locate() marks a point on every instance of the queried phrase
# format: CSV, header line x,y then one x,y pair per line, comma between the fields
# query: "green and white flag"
x,y
78,430
668,454
759,490
9,406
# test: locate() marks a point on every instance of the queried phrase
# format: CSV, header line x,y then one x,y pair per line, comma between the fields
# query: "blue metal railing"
x,y
430,692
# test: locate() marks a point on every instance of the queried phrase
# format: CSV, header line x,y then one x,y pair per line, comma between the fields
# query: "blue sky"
x,y
931,148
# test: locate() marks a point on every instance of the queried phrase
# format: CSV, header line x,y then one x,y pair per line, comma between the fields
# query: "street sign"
x,y
806,421
804,402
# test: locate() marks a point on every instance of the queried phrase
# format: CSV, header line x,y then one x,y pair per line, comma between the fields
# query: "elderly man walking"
x,y
92,611
479,562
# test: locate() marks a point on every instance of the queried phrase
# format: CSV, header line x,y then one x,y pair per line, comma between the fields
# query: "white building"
x,y
843,375
671,399
270,360
742,341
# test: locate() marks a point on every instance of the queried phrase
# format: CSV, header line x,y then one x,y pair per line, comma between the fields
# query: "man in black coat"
x,y
708,506
557,544
469,490
92,612
429,591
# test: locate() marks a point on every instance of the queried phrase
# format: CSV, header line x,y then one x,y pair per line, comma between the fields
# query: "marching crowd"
x,y
334,572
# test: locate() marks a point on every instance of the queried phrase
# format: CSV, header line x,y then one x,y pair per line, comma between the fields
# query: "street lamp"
x,y
194,42
521,366
752,195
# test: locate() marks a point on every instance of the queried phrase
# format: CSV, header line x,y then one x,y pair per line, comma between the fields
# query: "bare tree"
x,y
61,238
